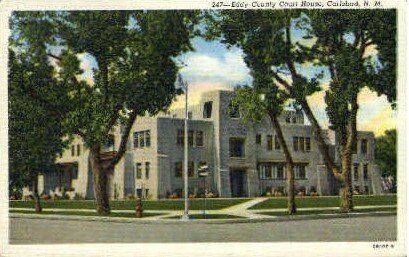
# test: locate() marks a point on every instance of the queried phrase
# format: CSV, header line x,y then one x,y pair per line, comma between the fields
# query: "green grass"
x,y
83,213
194,204
209,216
310,212
309,202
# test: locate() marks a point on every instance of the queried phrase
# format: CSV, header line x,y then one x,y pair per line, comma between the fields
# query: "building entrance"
x,y
237,183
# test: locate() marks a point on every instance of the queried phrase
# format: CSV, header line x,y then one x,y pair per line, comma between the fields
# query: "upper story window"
x,y
147,169
234,111
258,139
307,144
73,150
302,144
207,109
199,139
364,146
236,146
189,115
365,168
294,119
142,139
190,137
78,150
180,137
138,170
269,142
287,118
191,169
295,143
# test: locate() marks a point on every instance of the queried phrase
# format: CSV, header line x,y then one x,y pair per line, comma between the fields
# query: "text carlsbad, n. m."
x,y
285,4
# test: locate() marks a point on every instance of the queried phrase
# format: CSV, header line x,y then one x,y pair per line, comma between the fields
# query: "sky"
x,y
213,66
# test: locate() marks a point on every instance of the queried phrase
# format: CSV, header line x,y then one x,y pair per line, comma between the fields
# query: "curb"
x,y
201,221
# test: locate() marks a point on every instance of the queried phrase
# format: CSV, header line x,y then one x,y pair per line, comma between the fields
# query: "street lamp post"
x,y
185,216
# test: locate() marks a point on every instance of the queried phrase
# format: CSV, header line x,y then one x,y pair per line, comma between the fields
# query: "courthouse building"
x,y
244,160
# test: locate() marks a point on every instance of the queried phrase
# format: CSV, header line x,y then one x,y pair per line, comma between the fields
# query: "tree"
x,y
385,153
265,38
35,139
270,34
135,53
343,38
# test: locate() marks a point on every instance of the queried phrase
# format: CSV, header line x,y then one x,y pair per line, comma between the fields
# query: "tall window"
x,y
180,139
301,141
148,138
199,139
365,171
207,110
78,150
276,143
147,169
279,171
269,142
191,169
364,146
307,144
138,170
236,146
141,139
295,143
190,137
73,150
265,170
258,139
178,169
299,172
136,139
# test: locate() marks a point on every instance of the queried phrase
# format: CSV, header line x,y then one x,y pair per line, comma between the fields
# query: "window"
x,y
73,150
364,146
207,110
295,143
148,138
236,146
138,170
189,115
180,137
78,150
136,139
190,137
147,169
365,171
142,139
191,169
301,141
258,139
265,170
287,119
276,143
299,172
269,142
294,119
279,171
234,111
178,169
356,169
199,138
307,144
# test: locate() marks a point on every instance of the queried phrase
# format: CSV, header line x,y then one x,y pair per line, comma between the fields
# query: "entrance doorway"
x,y
237,183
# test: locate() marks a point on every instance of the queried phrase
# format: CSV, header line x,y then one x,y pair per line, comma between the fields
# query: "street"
x,y
48,231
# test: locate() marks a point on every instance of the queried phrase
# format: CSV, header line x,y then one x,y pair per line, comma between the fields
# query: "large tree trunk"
x,y
36,195
100,183
291,207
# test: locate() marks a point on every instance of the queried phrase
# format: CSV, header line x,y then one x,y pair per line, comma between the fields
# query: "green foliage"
x,y
385,153
35,139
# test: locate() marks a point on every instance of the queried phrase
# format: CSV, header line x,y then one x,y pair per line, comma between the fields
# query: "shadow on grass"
x,y
88,214
312,212
209,216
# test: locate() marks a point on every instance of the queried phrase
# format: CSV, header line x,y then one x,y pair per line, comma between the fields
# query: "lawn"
x,y
83,213
309,202
337,211
194,204
209,216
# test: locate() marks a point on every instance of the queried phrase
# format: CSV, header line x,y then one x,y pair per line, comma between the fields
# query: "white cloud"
x,y
229,69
